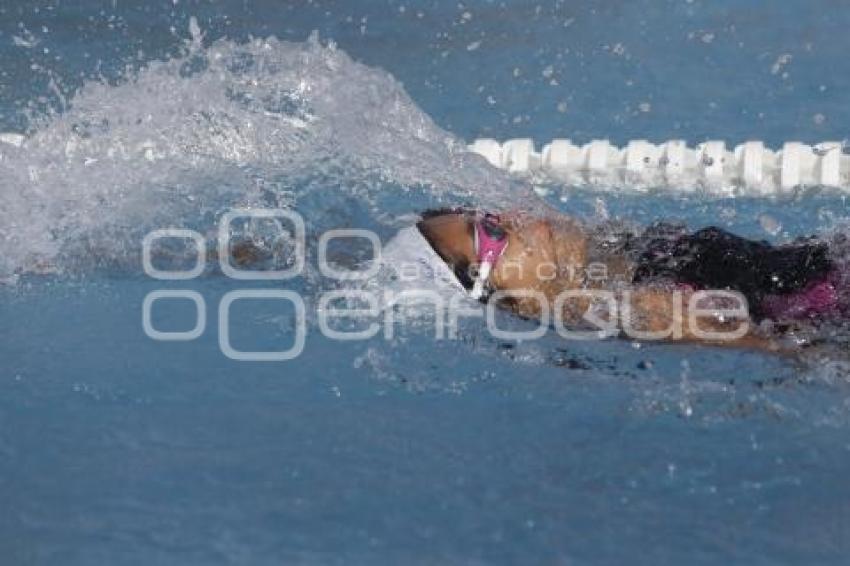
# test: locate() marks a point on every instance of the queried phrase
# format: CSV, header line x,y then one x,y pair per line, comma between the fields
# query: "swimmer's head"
x,y
450,233
465,238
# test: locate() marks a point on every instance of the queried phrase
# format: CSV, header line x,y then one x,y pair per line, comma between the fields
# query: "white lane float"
x,y
748,169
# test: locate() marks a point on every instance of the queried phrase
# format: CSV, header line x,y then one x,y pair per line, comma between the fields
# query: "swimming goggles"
x,y
491,241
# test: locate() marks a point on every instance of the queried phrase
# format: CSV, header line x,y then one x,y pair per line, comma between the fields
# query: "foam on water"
x,y
179,141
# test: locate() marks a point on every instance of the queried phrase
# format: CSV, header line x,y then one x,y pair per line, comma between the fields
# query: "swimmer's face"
x,y
529,260
452,237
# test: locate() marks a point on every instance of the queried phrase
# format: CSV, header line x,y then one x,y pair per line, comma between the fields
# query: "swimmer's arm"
x,y
570,245
560,249
656,310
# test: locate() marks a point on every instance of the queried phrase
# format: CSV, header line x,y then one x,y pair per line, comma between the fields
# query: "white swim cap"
x,y
409,266
411,263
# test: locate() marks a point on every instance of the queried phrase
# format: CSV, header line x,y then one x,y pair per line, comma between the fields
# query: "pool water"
x,y
116,448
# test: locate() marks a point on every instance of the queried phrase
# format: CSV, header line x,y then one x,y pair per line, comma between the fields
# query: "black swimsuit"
x,y
712,258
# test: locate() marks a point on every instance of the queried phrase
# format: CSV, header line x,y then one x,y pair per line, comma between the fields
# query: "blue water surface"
x,y
119,449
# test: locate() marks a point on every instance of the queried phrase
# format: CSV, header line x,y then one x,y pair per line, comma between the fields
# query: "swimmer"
x,y
656,274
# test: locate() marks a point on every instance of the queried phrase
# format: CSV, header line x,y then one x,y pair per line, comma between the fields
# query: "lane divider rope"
x,y
748,169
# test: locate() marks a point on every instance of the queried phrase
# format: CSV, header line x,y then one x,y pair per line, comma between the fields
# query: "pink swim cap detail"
x,y
818,298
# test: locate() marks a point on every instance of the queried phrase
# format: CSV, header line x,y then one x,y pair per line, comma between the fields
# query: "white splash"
x,y
182,139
